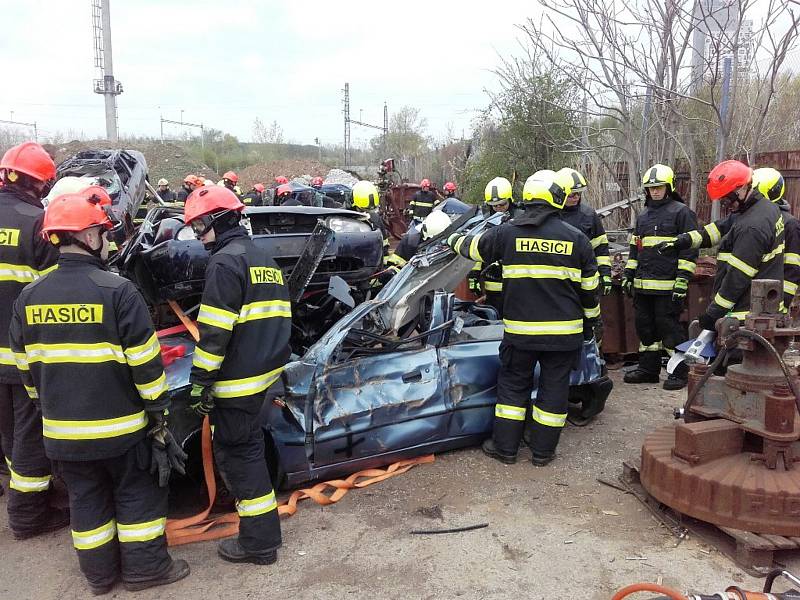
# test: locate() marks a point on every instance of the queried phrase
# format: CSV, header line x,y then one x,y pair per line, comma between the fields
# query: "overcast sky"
x,y
226,63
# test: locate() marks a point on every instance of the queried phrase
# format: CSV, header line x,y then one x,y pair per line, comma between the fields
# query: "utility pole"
x,y
722,133
385,129
109,87
346,124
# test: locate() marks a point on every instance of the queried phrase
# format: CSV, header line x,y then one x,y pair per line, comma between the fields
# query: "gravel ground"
x,y
553,533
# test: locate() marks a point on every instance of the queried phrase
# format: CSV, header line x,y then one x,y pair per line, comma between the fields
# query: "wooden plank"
x,y
748,539
781,543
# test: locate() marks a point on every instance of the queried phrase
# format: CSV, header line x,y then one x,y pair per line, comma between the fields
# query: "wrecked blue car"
x,y
409,372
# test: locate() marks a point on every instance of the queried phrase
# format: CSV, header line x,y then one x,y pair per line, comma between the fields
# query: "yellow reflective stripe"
x,y
591,313
547,418
738,315
543,327
723,302
697,238
512,413
93,430
418,203
789,287
459,242
604,261
264,310
600,239
94,538
632,264
474,254
669,351
655,347
686,265
17,273
493,286
541,272
20,358
653,284
23,483
257,506
44,272
590,283
713,233
7,357
738,263
139,355
153,389
32,393
648,241
247,386
74,353
217,317
141,532
774,253
205,360
790,258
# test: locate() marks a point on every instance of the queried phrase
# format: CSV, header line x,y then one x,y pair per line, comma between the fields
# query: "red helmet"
x,y
728,176
280,180
317,182
231,176
259,187
209,199
192,180
425,183
284,190
31,159
76,212
450,187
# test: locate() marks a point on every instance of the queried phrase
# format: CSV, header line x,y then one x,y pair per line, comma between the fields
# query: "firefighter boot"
x,y
489,449
232,551
678,379
177,571
648,369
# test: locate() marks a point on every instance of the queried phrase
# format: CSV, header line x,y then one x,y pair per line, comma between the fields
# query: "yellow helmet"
x,y
365,195
659,175
770,183
552,189
497,191
578,181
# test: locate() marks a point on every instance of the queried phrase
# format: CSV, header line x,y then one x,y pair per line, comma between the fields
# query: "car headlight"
x,y
185,234
345,225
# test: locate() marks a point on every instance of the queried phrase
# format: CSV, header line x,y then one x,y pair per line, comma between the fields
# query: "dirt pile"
x,y
163,160
303,169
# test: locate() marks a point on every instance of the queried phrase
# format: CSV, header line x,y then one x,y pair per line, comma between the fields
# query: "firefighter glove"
x,y
606,281
474,285
679,289
588,329
202,401
708,322
671,248
627,286
167,455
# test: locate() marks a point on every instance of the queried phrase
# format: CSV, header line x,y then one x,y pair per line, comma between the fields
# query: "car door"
x,y
373,405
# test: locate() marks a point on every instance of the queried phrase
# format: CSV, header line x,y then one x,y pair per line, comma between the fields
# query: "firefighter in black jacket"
x,y
751,249
24,257
550,302
166,194
88,354
255,197
190,184
584,218
244,321
770,184
423,201
659,282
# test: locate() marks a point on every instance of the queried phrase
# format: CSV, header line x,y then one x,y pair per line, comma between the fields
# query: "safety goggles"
x,y
202,225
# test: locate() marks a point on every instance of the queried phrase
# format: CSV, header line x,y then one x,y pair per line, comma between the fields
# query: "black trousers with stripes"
x,y
116,511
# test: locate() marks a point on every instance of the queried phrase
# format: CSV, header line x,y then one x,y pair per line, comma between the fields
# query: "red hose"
x,y
648,587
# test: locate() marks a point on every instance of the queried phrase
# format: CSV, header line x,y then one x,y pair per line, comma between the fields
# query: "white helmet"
x,y
68,185
163,181
434,224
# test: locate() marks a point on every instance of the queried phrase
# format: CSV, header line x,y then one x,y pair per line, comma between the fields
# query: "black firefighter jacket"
x,y
244,321
550,278
422,203
655,273
24,257
584,218
88,353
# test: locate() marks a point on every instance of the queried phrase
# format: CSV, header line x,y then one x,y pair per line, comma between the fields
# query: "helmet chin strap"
x,y
70,240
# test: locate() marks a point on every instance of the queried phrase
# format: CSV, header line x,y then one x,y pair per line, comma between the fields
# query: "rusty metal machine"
x,y
731,460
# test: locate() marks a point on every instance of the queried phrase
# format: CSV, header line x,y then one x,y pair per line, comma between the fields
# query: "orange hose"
x,y
648,587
